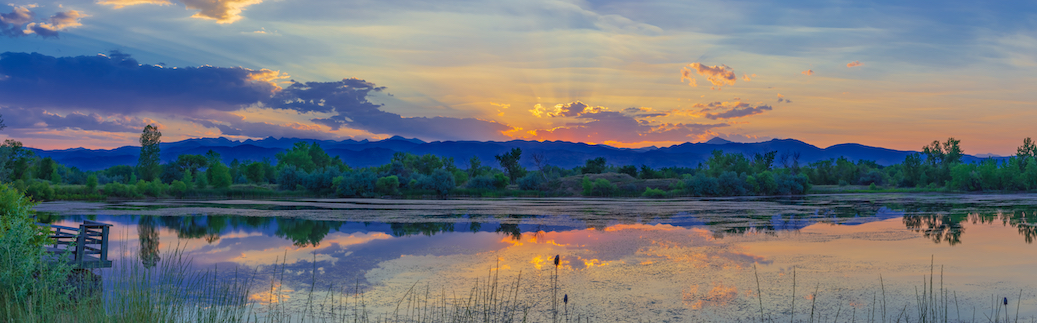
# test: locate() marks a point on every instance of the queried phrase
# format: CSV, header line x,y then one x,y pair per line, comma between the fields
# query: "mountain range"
x,y
559,153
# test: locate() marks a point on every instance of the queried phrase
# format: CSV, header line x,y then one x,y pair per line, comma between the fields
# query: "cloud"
x,y
741,110
807,72
687,75
59,21
222,11
118,84
601,125
572,109
119,4
854,64
235,125
27,118
718,75
746,77
347,99
20,22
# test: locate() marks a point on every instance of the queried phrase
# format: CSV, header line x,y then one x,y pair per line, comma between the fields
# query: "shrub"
x,y
27,284
289,177
388,185
482,182
177,188
441,181
602,187
91,183
40,191
532,181
702,185
653,193
359,183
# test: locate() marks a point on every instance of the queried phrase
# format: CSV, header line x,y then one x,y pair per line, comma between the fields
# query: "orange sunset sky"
x,y
623,73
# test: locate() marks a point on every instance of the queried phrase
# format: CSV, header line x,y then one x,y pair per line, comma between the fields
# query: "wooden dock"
x,y
84,247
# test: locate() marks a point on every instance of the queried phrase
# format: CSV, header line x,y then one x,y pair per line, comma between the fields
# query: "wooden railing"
x,y
85,247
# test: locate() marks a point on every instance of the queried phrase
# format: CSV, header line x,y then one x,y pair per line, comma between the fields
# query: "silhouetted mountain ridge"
x,y
559,153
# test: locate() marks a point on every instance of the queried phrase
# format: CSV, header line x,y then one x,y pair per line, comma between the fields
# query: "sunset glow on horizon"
x,y
621,73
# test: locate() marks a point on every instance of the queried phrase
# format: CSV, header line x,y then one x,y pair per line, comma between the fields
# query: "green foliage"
x,y
653,193
532,181
255,172
441,182
360,183
40,191
594,166
299,156
15,161
388,185
201,181
496,182
510,163
148,163
91,183
177,188
55,177
602,187
219,175
873,187
116,189
629,170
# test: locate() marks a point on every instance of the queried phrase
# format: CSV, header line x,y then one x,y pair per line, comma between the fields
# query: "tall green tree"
x,y
148,164
509,161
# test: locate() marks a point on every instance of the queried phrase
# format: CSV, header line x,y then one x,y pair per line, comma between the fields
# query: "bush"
x,y
388,185
653,193
532,181
702,185
599,187
91,183
359,183
496,182
116,189
441,181
289,177
322,181
40,191
28,286
177,188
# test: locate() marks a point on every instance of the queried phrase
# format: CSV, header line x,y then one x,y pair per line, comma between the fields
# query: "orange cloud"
x,y
222,11
854,64
719,75
808,72
686,75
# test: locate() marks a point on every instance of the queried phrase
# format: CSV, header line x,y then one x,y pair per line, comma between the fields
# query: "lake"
x,y
620,259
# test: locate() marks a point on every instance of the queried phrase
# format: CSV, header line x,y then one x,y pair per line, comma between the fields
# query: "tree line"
x,y
306,169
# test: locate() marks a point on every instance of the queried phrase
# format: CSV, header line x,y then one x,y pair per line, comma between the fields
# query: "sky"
x,y
624,73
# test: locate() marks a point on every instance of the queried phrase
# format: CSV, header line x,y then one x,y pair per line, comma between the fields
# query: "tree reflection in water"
x,y
944,227
304,232
936,227
148,236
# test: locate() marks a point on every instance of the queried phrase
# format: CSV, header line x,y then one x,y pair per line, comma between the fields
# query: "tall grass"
x,y
933,304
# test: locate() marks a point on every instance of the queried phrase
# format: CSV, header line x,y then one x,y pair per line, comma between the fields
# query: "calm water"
x,y
621,259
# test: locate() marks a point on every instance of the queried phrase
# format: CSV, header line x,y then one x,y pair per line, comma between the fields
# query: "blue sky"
x,y
623,73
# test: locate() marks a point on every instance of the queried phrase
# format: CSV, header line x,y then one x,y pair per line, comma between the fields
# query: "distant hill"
x,y
559,153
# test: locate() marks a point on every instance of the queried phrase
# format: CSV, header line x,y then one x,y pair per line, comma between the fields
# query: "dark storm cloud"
x,y
19,118
118,84
348,100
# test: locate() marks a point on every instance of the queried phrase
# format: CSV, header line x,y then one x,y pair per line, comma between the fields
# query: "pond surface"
x,y
621,260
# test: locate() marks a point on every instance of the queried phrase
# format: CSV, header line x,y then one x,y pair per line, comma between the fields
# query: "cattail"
x,y
556,261
1006,301
565,299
